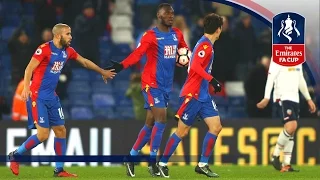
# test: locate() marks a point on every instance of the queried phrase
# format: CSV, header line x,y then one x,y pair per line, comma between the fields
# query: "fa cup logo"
x,y
288,39
287,29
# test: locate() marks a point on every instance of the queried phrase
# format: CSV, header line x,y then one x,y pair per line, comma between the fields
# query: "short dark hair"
x,y
212,22
162,5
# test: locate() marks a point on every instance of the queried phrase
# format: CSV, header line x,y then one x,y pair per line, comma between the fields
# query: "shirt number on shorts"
x,y
214,105
61,113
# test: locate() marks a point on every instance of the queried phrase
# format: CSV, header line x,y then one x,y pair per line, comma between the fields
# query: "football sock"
x,y
60,150
171,146
143,138
281,142
207,148
30,143
156,137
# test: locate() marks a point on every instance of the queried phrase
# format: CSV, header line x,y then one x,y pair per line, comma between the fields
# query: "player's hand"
x,y
216,85
108,74
26,93
263,103
312,106
116,66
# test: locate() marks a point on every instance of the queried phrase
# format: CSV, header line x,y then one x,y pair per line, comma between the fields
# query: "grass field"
x,y
185,172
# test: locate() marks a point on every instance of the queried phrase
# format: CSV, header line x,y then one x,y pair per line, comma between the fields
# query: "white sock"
x,y
201,164
162,164
283,139
287,151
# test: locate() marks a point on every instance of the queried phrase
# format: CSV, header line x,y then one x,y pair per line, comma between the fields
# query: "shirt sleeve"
x,y
136,55
274,70
203,52
303,86
42,52
72,54
182,42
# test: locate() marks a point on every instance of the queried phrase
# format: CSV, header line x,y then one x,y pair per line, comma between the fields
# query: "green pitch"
x,y
176,172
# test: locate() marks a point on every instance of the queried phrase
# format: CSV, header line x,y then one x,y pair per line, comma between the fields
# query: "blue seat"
x,y
102,100
125,113
124,101
5,61
101,87
238,101
121,85
7,32
237,112
122,49
81,113
11,7
220,100
80,74
79,87
3,47
104,113
80,99
12,20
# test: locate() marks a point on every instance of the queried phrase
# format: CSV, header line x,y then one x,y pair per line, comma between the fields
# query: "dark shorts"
x,y
290,111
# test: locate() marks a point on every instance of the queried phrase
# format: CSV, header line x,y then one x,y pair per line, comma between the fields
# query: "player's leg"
x,y
37,118
157,101
291,113
186,116
144,134
143,138
277,113
56,121
209,113
285,140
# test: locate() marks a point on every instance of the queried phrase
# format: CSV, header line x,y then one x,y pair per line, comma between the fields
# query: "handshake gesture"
x,y
111,71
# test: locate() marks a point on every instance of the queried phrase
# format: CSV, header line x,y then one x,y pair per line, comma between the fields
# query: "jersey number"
x,y
61,113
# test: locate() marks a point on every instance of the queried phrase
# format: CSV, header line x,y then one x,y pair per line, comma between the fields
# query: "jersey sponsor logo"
x,y
170,51
201,53
57,67
38,51
53,53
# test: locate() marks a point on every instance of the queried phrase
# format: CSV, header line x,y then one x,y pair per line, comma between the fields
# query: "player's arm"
x,y
135,56
40,54
33,64
182,42
202,52
305,92
274,70
107,74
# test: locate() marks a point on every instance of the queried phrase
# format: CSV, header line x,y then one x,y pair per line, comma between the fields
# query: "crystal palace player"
x,y
196,100
160,45
44,109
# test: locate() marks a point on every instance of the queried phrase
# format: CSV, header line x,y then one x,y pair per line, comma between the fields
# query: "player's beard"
x,y
163,22
63,42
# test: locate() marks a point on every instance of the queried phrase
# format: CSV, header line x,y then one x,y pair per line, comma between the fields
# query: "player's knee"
x,y
215,129
60,131
43,135
183,132
291,127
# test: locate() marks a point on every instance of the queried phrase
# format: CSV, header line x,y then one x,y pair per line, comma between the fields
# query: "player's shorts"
x,y
155,98
190,108
277,110
45,113
290,111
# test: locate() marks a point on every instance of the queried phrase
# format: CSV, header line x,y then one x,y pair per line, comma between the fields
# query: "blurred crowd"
x,y
242,54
